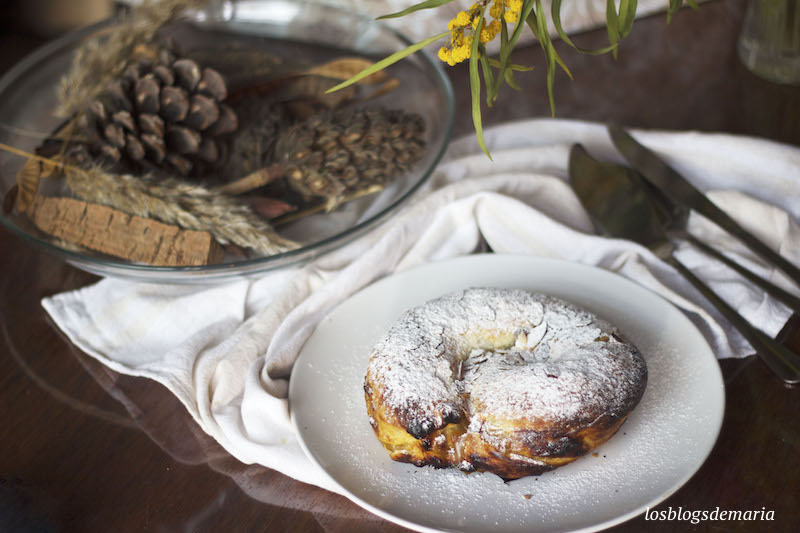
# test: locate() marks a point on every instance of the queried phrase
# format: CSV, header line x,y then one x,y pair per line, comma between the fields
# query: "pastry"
x,y
505,381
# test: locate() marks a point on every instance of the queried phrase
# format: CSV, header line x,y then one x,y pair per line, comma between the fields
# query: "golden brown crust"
x,y
549,411
526,452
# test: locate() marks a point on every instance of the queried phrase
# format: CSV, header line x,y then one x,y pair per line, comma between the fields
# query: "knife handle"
x,y
792,301
731,226
783,362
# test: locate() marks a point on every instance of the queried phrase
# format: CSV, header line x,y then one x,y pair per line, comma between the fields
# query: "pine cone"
x,y
336,154
166,112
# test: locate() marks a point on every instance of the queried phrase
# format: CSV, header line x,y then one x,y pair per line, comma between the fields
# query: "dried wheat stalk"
x,y
176,202
171,201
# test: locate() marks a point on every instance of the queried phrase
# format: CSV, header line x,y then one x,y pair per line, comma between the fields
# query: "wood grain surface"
x,y
85,449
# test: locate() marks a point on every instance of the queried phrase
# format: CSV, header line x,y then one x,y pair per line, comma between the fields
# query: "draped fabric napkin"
x,y
226,351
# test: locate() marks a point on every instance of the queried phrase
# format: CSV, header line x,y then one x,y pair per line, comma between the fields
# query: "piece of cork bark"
x,y
119,234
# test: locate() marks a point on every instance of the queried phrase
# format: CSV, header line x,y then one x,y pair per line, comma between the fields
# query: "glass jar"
x,y
769,44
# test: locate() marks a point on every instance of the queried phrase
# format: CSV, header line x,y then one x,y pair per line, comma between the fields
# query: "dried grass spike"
x,y
177,202
106,56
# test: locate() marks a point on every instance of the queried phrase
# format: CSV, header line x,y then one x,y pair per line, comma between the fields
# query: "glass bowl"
x,y
28,99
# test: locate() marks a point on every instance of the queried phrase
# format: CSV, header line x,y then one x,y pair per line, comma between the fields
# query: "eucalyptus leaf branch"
x,y
428,4
392,59
475,87
469,32
555,13
505,53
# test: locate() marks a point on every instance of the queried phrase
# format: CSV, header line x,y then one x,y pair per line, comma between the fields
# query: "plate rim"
x,y
716,374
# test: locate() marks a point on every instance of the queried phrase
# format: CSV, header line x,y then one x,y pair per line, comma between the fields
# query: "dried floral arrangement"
x,y
509,20
166,163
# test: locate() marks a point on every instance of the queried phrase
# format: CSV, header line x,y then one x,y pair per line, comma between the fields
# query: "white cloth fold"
x,y
226,351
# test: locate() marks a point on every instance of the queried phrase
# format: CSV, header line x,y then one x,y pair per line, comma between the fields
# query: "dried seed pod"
x,y
97,112
78,153
155,149
174,104
182,140
270,208
349,175
132,72
157,106
124,119
203,112
335,155
110,152
179,163
149,123
118,96
164,75
134,148
226,123
213,84
351,136
187,73
114,135
146,93
89,127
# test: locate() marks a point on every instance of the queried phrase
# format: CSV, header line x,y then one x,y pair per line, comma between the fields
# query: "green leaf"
x,y
538,25
556,14
475,87
547,43
674,6
497,64
383,63
505,52
511,81
558,59
612,25
544,39
487,75
428,4
527,7
627,12
503,49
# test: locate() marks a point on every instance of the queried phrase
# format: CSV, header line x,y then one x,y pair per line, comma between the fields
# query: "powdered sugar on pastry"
x,y
504,364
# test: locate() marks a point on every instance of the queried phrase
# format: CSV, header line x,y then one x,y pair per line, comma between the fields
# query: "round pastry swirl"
x,y
498,380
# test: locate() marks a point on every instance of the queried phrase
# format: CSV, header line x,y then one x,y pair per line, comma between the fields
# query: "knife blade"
x,y
619,205
682,192
602,189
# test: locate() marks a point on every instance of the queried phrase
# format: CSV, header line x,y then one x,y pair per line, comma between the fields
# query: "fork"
x,y
674,218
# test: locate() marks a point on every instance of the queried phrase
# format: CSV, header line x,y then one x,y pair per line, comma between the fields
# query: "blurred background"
x,y
47,18
26,24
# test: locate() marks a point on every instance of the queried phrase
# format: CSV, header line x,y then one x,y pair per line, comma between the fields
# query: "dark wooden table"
x,y
85,449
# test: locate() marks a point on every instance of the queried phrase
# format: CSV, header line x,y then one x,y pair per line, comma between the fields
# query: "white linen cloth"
x,y
226,350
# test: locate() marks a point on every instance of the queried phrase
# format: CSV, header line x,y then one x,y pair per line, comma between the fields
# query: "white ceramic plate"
x,y
661,445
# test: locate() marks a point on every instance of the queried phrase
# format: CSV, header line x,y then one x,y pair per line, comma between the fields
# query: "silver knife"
x,y
674,218
620,206
680,191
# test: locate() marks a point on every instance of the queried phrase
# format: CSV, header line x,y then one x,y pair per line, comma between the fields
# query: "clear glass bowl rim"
x,y
121,268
